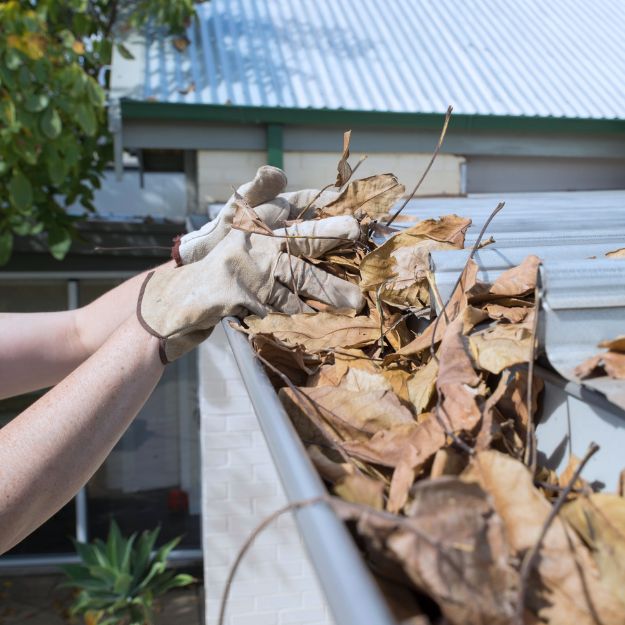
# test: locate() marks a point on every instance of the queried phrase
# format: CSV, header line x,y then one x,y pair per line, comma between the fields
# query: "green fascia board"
x,y
174,111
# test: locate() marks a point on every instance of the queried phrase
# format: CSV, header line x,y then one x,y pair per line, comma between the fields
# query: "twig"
x,y
294,283
532,555
531,453
249,542
378,305
100,248
427,169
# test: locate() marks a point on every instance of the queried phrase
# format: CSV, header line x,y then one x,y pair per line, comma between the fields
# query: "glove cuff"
x,y
162,354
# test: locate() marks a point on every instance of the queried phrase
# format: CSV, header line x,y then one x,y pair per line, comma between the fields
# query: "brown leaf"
x,y
600,522
332,374
620,253
294,362
354,416
373,196
457,381
501,346
448,461
515,282
400,266
317,331
422,386
487,428
361,489
456,305
615,345
513,403
247,219
610,363
180,43
416,441
453,547
328,469
514,314
565,587
344,171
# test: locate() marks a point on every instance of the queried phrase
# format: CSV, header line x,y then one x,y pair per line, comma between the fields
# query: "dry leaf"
x,y
620,253
600,521
399,267
501,346
247,219
615,345
515,282
317,331
566,587
344,171
294,362
610,363
448,461
452,546
361,489
418,441
354,416
457,381
513,314
489,427
328,469
422,386
373,196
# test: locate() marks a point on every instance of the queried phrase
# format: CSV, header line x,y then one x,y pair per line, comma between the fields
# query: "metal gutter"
x,y
183,111
338,563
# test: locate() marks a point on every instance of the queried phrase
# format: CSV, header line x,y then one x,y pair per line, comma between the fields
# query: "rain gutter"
x,y
339,566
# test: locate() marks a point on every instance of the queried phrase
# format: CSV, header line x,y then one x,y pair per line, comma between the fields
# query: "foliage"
x,y
119,580
54,142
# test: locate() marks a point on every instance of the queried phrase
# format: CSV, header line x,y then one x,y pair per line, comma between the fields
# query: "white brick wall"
x,y
220,170
275,584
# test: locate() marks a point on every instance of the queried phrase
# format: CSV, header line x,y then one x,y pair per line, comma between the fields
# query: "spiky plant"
x,y
119,579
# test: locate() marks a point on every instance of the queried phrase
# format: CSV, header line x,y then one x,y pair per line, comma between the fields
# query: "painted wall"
x,y
275,584
220,170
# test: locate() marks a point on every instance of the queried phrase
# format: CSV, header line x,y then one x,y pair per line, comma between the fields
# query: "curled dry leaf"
x,y
513,314
501,346
399,267
620,253
373,196
608,363
565,587
317,331
247,219
344,171
515,282
615,345
600,522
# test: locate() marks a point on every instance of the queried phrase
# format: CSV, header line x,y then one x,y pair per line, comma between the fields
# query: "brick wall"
x,y
275,584
220,170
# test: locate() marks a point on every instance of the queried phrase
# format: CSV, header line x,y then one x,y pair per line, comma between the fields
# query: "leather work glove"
x,y
259,193
245,272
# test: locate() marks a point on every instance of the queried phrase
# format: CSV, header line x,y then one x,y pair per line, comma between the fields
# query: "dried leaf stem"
x,y
532,555
427,169
293,282
531,452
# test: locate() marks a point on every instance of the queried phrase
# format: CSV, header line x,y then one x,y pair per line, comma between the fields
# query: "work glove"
x,y
259,193
246,273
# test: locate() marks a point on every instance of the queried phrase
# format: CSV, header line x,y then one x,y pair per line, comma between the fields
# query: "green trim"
x,y
174,111
275,145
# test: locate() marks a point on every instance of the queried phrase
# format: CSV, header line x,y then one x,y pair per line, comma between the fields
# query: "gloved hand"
x,y
245,272
259,193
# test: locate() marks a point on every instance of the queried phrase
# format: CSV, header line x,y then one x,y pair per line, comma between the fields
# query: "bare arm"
x,y
50,451
40,349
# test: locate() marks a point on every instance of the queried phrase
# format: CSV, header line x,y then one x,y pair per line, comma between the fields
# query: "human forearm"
x,y
51,449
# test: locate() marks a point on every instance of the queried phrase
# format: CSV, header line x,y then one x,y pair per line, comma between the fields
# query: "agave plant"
x,y
120,578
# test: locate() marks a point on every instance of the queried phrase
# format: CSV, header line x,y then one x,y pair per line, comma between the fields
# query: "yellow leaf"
x,y
78,47
31,44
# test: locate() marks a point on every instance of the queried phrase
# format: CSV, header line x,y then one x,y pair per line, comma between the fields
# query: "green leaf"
x,y
59,241
6,247
125,52
7,111
86,119
35,103
20,191
51,124
95,93
12,59
56,170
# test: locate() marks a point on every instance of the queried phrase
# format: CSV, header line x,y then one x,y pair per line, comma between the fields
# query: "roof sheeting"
x,y
564,58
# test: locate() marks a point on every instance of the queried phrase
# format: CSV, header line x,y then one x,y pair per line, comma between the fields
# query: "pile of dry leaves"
x,y
422,425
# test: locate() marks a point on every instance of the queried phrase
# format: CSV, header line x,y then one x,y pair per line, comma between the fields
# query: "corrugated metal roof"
x,y
564,58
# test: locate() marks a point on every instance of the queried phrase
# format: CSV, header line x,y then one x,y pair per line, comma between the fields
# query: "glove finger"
x,y
315,238
317,284
196,245
267,183
275,212
314,198
281,299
